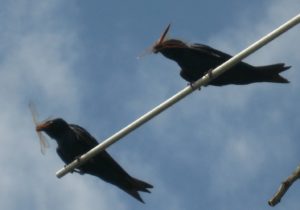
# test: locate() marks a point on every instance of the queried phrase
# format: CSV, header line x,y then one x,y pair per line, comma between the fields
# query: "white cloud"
x,y
36,64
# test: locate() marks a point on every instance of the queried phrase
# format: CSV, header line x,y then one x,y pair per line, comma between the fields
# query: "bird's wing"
x,y
87,140
63,156
103,158
210,51
84,137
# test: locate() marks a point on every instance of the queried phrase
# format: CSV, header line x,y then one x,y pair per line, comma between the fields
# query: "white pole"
x,y
180,95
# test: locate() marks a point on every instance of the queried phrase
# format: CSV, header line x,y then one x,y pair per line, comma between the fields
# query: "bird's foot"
x,y
77,158
75,170
65,166
78,171
210,76
191,84
209,72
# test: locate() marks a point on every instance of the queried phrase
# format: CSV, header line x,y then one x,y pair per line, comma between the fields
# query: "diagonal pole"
x,y
177,97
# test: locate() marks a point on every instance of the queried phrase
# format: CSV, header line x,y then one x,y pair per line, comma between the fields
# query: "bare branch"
x,y
285,185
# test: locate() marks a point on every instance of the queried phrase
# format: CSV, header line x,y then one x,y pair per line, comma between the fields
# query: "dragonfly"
x,y
44,145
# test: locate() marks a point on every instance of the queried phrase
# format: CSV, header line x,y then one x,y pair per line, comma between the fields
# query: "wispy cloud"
x,y
36,63
219,140
235,139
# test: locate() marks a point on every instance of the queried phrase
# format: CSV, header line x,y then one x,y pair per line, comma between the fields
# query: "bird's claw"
x,y
191,84
210,76
75,170
65,166
78,171
209,72
77,158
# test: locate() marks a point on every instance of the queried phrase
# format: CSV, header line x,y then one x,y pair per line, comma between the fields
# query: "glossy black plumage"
x,y
74,141
196,60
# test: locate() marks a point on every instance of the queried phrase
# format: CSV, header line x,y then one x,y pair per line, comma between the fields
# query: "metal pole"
x,y
180,95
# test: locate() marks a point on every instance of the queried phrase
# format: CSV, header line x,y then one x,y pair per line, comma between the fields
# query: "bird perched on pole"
x,y
196,60
73,141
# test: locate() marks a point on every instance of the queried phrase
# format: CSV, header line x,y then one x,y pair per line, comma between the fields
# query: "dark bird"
x,y
74,141
197,59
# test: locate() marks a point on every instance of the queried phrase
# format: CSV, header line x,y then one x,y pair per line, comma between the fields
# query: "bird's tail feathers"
x,y
271,72
135,194
141,185
138,185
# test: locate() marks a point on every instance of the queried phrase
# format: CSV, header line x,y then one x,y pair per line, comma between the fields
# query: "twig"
x,y
285,185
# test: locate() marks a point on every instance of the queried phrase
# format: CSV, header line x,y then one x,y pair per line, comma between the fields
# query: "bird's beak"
x,y
41,127
158,44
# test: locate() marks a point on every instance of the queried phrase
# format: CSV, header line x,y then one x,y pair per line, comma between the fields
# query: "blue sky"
x,y
220,148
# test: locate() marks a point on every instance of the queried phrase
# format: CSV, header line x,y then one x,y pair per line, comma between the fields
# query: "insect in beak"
x,y
159,44
164,34
39,127
155,48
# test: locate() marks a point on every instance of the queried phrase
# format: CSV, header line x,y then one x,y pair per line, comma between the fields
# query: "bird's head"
x,y
163,44
54,128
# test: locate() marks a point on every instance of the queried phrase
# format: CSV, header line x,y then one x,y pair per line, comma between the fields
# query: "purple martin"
x,y
197,59
74,141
